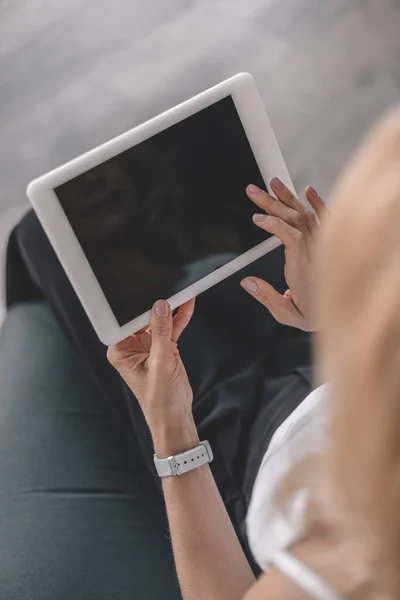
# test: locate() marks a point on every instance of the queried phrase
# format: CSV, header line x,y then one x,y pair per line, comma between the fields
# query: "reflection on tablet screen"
x,y
165,213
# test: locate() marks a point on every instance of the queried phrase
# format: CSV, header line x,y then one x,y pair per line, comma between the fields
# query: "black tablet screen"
x,y
168,211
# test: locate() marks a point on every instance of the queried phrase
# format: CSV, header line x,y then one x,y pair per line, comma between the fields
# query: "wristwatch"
x,y
181,463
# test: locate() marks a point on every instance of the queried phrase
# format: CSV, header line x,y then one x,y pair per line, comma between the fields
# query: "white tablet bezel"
x,y
251,111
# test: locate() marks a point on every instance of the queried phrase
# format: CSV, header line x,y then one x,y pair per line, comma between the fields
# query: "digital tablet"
x,y
161,211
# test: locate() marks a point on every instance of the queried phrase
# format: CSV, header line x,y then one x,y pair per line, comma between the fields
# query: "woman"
x,y
352,489
323,514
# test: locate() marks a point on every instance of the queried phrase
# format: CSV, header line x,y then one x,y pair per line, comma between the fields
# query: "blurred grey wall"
x,y
74,73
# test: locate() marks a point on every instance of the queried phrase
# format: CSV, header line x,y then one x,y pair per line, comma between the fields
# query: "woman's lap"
x,y
211,354
232,344
228,372
79,514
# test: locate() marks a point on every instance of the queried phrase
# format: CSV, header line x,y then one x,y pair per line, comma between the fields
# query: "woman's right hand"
x,y
296,227
151,366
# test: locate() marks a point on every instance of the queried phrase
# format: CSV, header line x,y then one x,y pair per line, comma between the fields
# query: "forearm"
x,y
209,560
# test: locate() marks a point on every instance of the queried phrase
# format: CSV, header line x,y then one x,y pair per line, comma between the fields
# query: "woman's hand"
x,y
296,227
150,364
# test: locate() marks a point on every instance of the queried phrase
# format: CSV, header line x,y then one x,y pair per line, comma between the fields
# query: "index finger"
x,y
287,197
288,235
182,319
289,213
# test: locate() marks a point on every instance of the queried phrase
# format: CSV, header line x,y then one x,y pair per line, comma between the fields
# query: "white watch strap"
x,y
178,464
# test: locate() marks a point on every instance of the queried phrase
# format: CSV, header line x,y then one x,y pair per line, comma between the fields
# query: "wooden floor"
x,y
74,73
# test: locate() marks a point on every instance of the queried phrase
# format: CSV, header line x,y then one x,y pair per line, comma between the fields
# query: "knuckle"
x,y
291,198
265,299
311,218
270,199
298,236
161,330
296,219
273,223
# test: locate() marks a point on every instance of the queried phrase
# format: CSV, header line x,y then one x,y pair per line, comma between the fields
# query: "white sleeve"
x,y
270,527
303,577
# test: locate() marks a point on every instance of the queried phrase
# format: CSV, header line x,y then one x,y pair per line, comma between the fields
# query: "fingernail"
x,y
161,308
257,218
277,183
250,285
312,192
253,189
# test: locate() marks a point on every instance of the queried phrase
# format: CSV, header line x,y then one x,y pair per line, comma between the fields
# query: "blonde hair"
x,y
356,503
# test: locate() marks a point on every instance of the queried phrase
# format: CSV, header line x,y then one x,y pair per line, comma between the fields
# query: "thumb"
x,y
281,307
161,327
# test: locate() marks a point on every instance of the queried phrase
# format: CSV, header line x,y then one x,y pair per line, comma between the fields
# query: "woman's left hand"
x,y
150,364
290,221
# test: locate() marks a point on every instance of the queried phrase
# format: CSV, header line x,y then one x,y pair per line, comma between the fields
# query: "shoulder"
x,y
281,492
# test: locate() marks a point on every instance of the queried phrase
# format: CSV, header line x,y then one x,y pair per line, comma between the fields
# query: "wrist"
x,y
173,437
